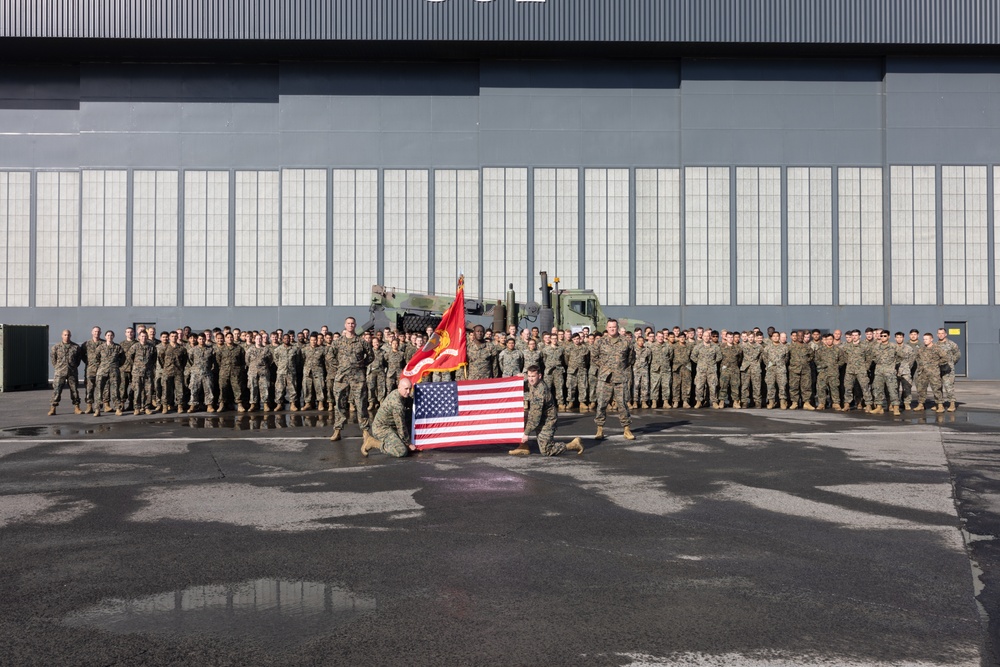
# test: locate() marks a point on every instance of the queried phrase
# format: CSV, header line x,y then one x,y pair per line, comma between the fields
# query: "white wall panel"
x,y
303,237
658,237
913,232
258,217
103,219
456,230
964,235
505,232
355,236
154,238
810,236
405,222
206,238
557,225
57,265
706,235
758,235
15,238
859,220
606,222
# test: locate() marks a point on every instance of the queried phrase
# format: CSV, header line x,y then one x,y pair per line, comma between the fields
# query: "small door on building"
x,y
957,334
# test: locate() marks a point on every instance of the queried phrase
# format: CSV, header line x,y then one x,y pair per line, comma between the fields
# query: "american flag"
x,y
468,412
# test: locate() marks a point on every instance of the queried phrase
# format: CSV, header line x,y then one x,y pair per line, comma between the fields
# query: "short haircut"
x,y
532,369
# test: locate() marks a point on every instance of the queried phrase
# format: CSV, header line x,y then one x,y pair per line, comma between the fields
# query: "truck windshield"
x,y
582,307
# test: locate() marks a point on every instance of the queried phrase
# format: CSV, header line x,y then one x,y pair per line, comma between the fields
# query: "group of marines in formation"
x,y
351,373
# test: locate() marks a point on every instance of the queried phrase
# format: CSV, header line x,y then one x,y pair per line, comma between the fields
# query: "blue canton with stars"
x,y
435,400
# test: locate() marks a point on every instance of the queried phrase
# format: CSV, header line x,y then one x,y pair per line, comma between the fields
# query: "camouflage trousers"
x,y
59,382
640,378
928,377
681,389
125,388
284,388
850,378
556,380
776,381
906,395
592,388
827,385
391,444
948,384
142,390
230,380
200,387
706,378
376,387
576,388
345,394
605,392
259,384
546,445
751,379
107,389
800,385
659,382
729,385
313,380
91,395
885,380
173,390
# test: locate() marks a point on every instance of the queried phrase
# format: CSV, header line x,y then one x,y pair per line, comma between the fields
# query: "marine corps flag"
x,y
445,351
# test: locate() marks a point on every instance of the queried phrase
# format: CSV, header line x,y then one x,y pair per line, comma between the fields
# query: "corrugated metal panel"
x,y
722,21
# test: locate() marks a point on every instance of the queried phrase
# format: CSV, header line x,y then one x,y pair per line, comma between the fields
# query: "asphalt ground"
x,y
746,537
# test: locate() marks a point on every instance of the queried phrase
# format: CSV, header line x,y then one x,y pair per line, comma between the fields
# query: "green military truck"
x,y
562,308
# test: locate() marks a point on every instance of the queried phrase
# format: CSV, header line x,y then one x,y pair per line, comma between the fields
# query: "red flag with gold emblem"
x,y
445,351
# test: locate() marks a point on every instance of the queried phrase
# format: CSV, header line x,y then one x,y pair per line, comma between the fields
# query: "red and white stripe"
x,y
489,412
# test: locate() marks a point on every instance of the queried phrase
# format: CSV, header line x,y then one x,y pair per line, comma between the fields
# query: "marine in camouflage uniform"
x,y
350,389
330,364
125,372
511,360
857,360
259,374
65,358
141,359
681,370
313,374
286,364
750,373
800,357
591,375
88,352
729,372
231,362
886,356
391,425
659,372
172,360
930,359
828,358
109,361
640,373
613,355
200,361
948,370
481,356
542,414
532,356
577,369
775,356
554,361
707,356
904,372
376,376
395,361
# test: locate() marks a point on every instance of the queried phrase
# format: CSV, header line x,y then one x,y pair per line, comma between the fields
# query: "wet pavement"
x,y
717,537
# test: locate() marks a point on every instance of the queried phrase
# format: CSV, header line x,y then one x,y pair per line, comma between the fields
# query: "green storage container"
x,y
24,357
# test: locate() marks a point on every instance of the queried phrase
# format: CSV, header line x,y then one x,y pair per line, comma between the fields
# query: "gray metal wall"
x,y
677,21
387,115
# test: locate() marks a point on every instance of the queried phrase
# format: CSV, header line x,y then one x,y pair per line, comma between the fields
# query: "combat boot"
x,y
687,406
369,444
240,408
593,406
951,406
293,407
575,445
562,407
895,411
794,405
149,411
939,407
77,410
645,405
118,412
600,433
675,405
210,408
97,411
135,413
835,407
191,408
164,409
784,405
582,409
737,405
90,408
267,407
520,450
919,407
770,405
877,410
697,405
107,407
906,407
278,407
52,410
628,434
820,408
808,406
336,435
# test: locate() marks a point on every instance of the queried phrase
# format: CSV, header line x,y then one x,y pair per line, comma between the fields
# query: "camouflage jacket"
x,y
511,362
393,416
173,359
775,355
799,356
229,359
482,360
554,359
707,357
89,352
312,358
681,357
542,409
109,358
731,355
951,349
643,358
886,357
829,359
857,357
663,356
65,358
286,359
613,357
141,359
577,359
201,360
533,358
353,356
752,353
378,363
395,362
258,360
931,359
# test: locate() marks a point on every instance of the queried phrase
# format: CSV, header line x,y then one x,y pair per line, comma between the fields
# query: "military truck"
x,y
562,308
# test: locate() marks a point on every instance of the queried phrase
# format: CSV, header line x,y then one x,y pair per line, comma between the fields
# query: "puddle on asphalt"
x,y
235,422
264,609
